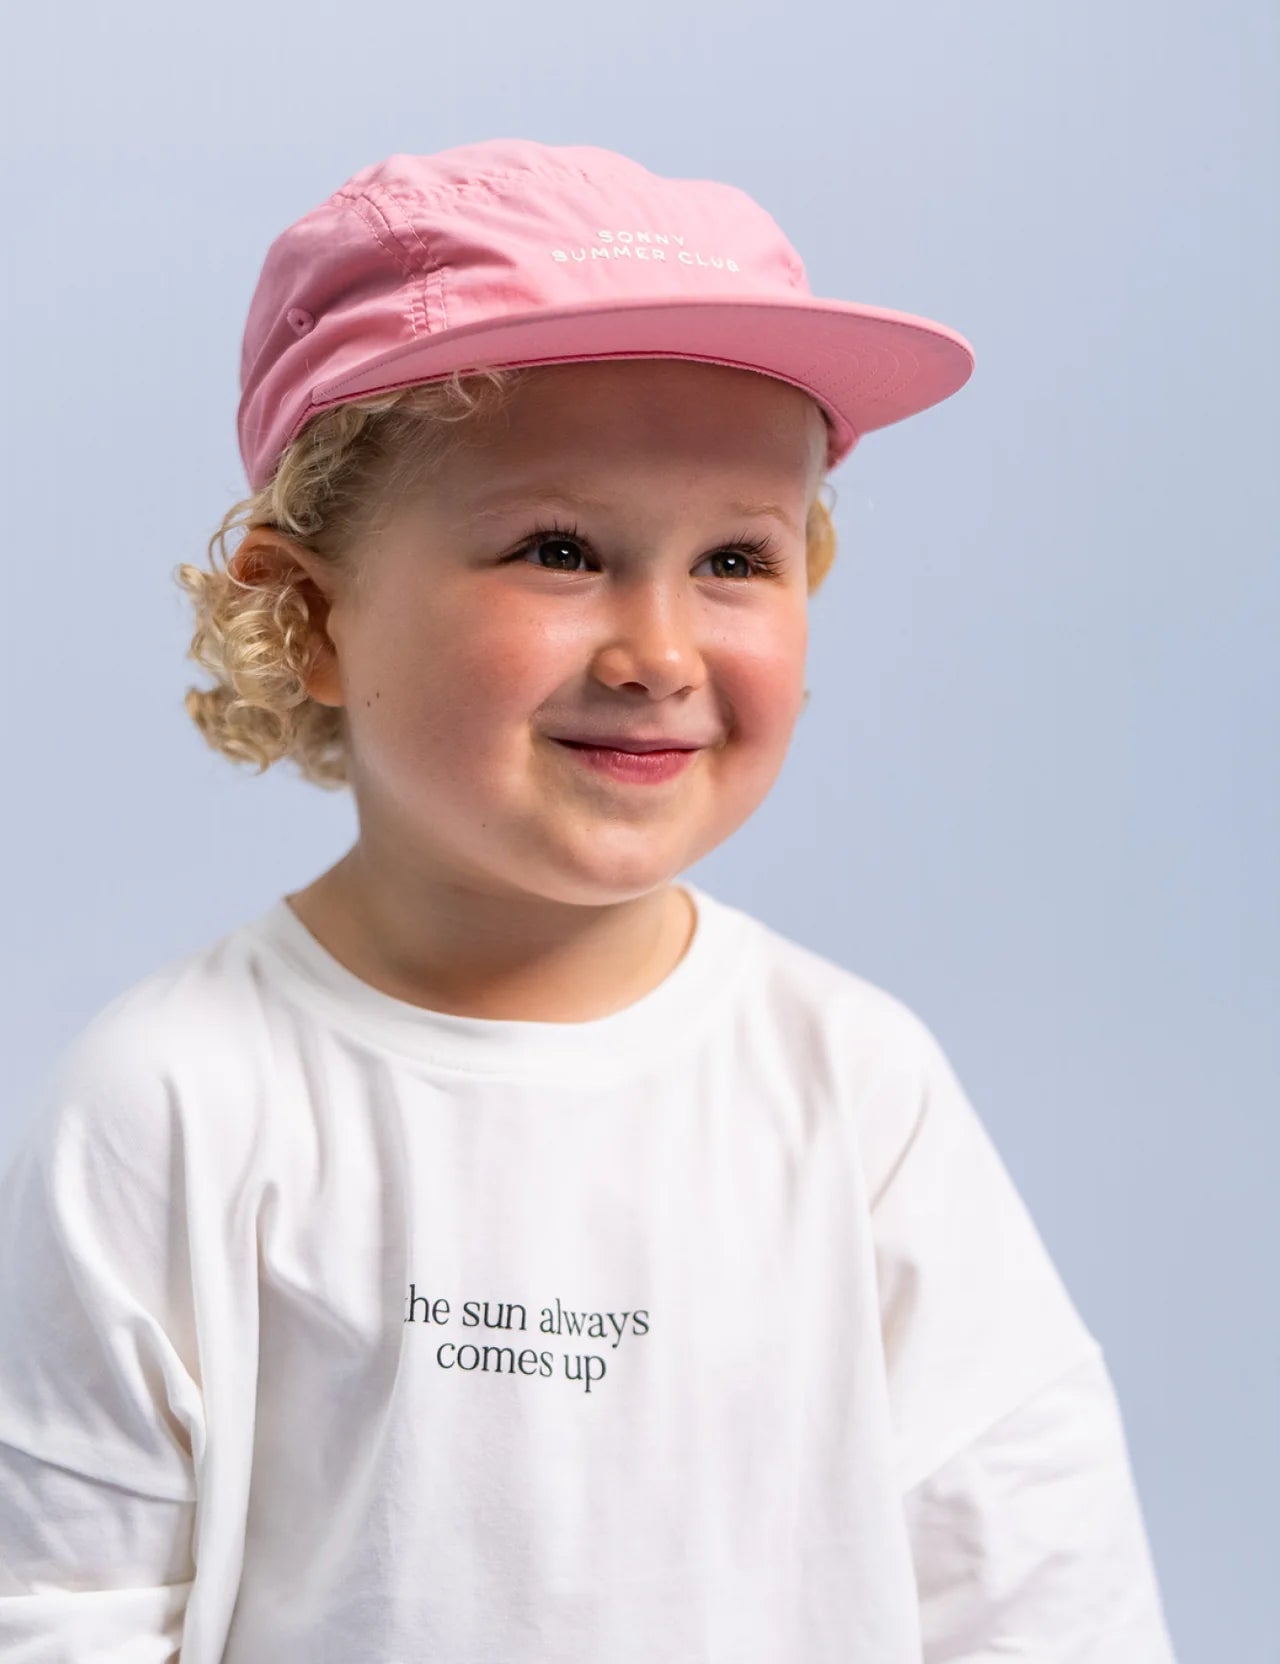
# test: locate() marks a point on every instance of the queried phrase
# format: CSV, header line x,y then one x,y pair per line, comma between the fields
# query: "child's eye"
x,y
758,551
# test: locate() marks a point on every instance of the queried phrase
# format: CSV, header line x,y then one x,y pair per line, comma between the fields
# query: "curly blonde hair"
x,y
253,626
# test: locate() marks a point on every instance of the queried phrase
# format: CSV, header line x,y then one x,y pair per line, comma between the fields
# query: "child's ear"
x,y
267,557
323,680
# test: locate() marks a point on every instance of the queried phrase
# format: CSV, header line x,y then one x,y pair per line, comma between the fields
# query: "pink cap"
x,y
512,252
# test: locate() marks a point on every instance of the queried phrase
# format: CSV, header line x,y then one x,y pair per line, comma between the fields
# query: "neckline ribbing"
x,y
665,1019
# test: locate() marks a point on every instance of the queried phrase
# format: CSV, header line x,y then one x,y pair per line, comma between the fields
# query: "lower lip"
x,y
644,767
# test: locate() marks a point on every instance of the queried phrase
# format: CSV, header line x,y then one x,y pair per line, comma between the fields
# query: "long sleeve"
x,y
100,1409
1030,1544
1025,1525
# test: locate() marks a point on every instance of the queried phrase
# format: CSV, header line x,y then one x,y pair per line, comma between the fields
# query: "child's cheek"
x,y
513,658
762,674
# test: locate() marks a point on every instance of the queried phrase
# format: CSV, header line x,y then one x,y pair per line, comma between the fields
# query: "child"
x,y
497,1250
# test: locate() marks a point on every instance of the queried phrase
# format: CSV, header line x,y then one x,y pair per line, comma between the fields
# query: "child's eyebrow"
x,y
501,501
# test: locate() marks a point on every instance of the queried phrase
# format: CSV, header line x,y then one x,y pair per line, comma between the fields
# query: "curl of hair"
x,y
253,625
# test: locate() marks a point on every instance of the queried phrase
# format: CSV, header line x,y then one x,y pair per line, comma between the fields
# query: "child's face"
x,y
457,662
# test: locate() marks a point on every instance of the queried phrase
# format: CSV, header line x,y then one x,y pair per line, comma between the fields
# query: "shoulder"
x,y
839,1012
853,1045
178,1047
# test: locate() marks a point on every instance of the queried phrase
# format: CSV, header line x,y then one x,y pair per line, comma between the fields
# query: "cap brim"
x,y
867,366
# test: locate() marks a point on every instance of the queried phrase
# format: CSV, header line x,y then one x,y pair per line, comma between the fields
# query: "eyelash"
x,y
761,551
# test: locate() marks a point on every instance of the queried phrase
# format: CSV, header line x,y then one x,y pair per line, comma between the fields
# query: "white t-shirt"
x,y
334,1330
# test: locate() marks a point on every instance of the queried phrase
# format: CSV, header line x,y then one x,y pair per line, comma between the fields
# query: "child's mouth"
x,y
640,767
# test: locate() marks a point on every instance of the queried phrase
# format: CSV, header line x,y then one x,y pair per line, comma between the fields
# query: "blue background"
x,y
1034,793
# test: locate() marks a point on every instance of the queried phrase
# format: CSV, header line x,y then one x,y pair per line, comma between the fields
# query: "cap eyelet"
x,y
299,320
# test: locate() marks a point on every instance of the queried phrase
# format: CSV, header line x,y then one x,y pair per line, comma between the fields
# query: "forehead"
x,y
635,414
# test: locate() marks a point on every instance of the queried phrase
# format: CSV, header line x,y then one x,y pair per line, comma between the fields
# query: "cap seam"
x,y
430,266
478,182
382,231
